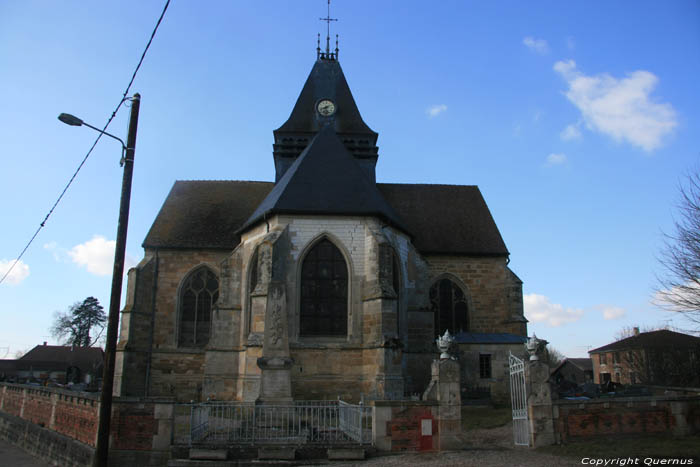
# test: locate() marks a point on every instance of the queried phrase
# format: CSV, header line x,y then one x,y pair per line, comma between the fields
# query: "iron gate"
x,y
299,422
518,399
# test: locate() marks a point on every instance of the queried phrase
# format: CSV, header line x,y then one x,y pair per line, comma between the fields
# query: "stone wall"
x,y
391,329
499,382
149,355
553,421
494,292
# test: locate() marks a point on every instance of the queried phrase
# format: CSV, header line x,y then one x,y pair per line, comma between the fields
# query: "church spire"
x,y
327,55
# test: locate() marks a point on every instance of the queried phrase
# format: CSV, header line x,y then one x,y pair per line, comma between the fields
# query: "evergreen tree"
x,y
73,327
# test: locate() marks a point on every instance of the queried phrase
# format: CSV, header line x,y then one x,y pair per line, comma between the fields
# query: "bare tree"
x,y
552,357
679,287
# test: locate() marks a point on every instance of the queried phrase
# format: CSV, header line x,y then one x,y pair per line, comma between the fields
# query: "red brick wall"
x,y
133,427
76,417
620,418
12,398
38,407
404,429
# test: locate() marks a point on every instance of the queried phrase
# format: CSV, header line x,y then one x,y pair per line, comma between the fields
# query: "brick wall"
x,y
66,412
406,427
399,425
575,421
69,422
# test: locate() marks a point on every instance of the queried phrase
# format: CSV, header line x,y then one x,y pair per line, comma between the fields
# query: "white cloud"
x,y
435,110
571,132
612,312
58,253
620,108
538,308
18,273
556,159
96,255
539,46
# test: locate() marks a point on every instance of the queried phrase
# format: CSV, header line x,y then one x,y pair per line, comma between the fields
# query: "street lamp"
x,y
72,120
102,448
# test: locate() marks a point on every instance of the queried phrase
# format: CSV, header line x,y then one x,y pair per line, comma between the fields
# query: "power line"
x,y
80,166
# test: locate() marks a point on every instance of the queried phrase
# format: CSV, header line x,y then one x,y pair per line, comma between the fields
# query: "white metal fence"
x,y
299,422
518,398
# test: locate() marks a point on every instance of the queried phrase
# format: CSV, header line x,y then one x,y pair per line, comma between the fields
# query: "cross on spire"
x,y
328,20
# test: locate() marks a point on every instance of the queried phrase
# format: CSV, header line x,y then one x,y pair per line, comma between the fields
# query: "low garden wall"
x,y
60,426
576,420
554,421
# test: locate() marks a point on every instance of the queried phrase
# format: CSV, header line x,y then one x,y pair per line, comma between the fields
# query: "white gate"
x,y
518,399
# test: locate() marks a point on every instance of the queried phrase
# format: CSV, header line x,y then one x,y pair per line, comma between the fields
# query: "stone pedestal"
x,y
444,387
539,404
275,363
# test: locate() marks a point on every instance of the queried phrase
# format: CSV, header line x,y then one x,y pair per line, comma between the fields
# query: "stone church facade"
x,y
322,284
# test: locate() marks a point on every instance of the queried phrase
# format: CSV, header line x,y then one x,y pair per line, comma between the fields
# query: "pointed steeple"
x,y
326,82
325,179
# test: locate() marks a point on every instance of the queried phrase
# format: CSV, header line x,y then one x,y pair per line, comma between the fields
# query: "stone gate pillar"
x,y
539,395
445,388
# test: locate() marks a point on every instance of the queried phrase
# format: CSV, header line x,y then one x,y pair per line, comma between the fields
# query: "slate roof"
x,y
326,80
325,179
58,358
489,338
583,364
652,339
205,214
448,219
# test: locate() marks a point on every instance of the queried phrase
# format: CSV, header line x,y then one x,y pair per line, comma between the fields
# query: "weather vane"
x,y
328,20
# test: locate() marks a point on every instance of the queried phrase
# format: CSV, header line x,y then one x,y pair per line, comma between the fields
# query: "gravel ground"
x,y
482,448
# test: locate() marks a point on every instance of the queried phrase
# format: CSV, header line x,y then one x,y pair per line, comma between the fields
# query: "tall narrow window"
x,y
484,366
396,283
252,283
198,294
449,306
324,292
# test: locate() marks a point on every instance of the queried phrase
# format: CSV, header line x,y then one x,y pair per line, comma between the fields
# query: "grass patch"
x,y
474,418
638,447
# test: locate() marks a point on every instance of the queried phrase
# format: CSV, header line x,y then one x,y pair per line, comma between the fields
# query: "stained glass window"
x,y
198,295
324,292
449,306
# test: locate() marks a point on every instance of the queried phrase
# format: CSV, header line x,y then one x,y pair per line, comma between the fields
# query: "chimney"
x,y
636,330
44,343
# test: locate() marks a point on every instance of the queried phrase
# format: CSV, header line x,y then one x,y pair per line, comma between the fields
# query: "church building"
x,y
322,284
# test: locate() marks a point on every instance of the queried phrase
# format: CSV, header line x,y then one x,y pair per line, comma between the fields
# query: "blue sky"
x,y
577,120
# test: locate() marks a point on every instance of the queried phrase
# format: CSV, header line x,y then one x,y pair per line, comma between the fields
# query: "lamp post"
x,y
103,429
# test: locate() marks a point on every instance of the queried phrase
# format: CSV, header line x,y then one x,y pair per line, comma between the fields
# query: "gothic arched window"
x,y
324,292
449,306
198,295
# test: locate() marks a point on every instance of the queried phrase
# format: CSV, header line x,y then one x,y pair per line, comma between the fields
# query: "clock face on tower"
x,y
325,107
